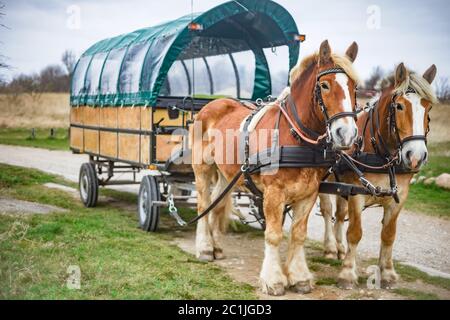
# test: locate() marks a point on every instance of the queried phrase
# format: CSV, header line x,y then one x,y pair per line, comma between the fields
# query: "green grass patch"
x,y
414,294
323,260
22,137
412,274
439,159
430,199
326,281
11,176
117,260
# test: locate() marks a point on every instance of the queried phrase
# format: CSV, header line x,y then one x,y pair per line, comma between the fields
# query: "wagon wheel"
x,y
88,185
148,213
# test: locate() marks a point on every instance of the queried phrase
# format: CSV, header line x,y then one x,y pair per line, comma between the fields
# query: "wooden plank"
x,y
163,113
129,118
108,117
166,145
76,139
146,118
129,147
108,144
91,116
91,140
145,149
76,115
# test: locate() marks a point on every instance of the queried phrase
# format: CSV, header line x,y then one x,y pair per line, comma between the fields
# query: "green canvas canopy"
x,y
242,49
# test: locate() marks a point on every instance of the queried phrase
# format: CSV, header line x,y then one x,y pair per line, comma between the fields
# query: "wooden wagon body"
x,y
132,95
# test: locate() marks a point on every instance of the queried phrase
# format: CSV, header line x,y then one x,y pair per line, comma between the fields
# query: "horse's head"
x,y
336,94
411,103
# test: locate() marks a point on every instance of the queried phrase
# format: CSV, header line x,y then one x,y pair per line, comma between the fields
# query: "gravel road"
x,y
422,241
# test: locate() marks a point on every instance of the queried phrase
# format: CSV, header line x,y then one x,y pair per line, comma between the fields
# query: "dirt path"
x,y
244,253
422,241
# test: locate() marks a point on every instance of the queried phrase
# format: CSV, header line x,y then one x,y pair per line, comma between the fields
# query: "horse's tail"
x,y
224,208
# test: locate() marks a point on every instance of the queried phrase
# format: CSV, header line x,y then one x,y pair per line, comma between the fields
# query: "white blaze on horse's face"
x,y
344,130
415,152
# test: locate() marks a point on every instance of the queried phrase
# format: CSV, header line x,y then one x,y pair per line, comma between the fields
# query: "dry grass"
x,y
440,123
47,110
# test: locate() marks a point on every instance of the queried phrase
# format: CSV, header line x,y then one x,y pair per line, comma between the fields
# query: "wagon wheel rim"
x,y
84,185
143,206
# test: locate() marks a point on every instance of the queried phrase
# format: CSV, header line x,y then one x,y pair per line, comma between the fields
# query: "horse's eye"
x,y
324,86
399,106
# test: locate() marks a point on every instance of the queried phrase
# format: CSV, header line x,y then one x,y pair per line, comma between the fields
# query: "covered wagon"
x,y
131,94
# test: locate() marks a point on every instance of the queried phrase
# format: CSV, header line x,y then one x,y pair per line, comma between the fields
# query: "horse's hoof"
x,y
275,290
206,256
345,284
341,255
387,284
218,254
330,255
302,287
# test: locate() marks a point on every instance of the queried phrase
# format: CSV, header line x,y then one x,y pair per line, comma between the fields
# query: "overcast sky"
x,y
414,31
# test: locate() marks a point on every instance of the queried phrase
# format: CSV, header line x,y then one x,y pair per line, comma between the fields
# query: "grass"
x,y
22,137
414,294
117,260
412,274
43,110
431,199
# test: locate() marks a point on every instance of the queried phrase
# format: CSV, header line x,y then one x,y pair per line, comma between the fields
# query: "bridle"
x,y
318,97
298,129
392,123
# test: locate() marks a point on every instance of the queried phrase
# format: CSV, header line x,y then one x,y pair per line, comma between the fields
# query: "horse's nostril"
x,y
408,154
339,132
425,156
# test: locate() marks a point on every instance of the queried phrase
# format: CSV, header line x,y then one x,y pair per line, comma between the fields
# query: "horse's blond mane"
x,y
416,82
339,61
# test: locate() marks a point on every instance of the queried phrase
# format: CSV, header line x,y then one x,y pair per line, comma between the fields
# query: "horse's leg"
x,y
272,279
348,276
341,213
298,273
388,274
329,240
218,218
204,174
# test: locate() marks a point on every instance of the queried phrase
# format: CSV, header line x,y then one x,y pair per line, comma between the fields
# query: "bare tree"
x,y
375,77
3,63
443,89
69,60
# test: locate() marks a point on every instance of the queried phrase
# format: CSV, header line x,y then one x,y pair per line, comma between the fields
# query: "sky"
x,y
416,32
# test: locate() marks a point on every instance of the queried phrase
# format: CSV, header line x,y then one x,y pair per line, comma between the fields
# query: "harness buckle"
x,y
245,166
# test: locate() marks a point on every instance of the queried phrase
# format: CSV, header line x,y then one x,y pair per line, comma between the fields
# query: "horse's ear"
x,y
325,54
400,74
430,74
352,51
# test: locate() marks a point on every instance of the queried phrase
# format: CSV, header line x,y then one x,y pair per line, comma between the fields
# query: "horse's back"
x,y
224,110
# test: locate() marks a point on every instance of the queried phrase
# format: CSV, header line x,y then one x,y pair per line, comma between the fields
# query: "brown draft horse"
x,y
412,96
297,187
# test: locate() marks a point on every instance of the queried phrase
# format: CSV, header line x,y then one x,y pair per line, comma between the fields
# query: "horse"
x,y
323,76
402,109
